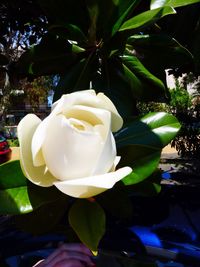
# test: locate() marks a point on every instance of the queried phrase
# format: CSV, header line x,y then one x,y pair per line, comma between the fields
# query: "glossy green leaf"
x,y
13,190
146,18
142,159
144,85
15,201
11,175
87,218
172,3
154,130
77,49
17,195
125,8
140,144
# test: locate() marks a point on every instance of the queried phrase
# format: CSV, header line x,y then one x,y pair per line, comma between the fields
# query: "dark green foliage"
x,y
104,44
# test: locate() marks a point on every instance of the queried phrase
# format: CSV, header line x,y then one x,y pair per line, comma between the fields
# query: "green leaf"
x,y
15,201
87,218
117,202
77,78
69,32
146,18
11,175
142,159
172,3
140,144
77,49
155,130
13,190
144,85
51,56
111,83
17,195
125,8
111,15
43,219
159,51
146,188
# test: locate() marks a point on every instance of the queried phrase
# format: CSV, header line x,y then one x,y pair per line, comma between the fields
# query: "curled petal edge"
x,y
91,186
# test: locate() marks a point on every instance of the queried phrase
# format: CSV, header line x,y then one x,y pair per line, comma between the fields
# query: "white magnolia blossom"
x,y
73,148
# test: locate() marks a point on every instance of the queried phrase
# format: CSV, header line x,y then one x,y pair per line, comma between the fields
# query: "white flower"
x,y
73,148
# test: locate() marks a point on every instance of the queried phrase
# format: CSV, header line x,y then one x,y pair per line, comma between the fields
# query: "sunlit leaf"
x,y
140,144
125,8
154,130
172,3
142,159
146,18
17,195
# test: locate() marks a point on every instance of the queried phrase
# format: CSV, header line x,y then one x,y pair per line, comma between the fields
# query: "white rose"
x,y
73,148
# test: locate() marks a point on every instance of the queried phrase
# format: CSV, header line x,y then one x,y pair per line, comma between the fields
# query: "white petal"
x,y
93,185
106,103
107,156
26,130
91,115
102,118
68,100
80,125
116,161
70,153
37,141
90,99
